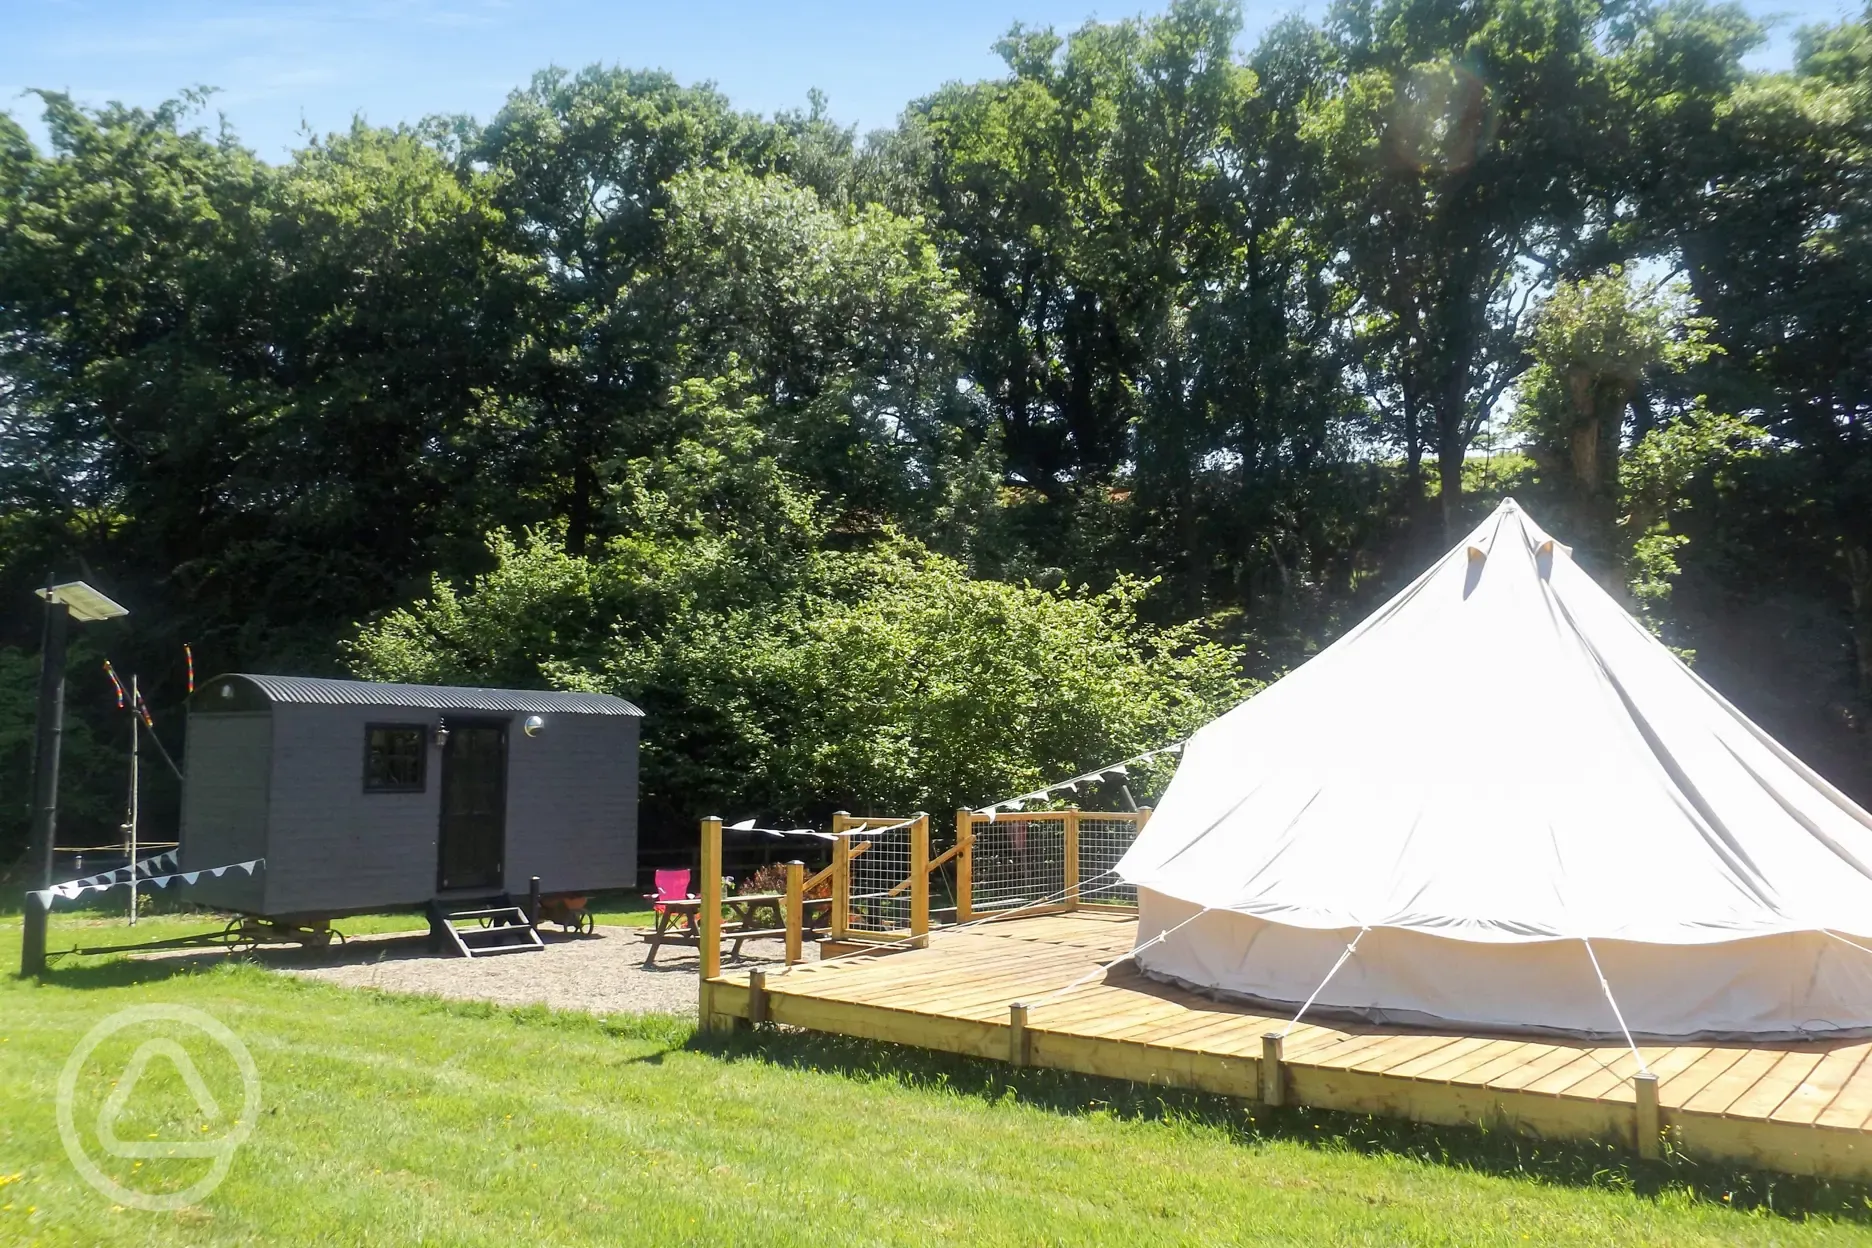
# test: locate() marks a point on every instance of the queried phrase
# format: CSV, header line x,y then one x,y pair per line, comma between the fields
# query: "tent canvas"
x,y
1523,808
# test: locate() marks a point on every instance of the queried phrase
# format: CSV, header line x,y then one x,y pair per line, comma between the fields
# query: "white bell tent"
x,y
1519,811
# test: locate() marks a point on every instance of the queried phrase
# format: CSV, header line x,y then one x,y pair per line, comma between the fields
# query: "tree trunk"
x,y
1449,474
1859,576
1583,442
579,511
1189,538
1644,419
1452,431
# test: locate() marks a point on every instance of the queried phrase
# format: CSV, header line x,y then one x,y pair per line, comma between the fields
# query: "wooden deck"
x,y
1795,1107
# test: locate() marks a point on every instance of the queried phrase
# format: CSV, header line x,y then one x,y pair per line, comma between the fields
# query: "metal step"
x,y
482,928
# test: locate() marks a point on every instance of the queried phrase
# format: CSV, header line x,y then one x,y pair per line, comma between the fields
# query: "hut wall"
x,y
572,804
334,847
224,806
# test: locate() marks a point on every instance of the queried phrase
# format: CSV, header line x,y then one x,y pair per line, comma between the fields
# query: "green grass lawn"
x,y
396,1121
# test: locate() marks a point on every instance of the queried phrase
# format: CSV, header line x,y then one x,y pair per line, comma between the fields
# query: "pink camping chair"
x,y
671,885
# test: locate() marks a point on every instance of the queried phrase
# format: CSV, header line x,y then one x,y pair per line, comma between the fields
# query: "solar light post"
x,y
64,603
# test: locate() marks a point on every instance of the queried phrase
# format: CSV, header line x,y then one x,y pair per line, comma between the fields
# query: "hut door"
x,y
474,805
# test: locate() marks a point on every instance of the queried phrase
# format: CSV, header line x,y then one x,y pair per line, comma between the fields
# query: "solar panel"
x,y
83,602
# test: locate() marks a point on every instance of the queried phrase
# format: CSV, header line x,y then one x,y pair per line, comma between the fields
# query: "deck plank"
x,y
1612,1081
1771,1089
902,967
1397,1050
985,978
1733,1084
1810,1099
1309,1036
1201,1030
1676,1091
1104,1013
1417,1067
1587,1064
1463,1067
1854,1101
1124,1024
1538,1064
1335,1054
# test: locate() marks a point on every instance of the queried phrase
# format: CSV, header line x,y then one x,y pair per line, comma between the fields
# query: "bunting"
x,y
1122,768
865,829
747,825
144,868
78,888
994,809
859,830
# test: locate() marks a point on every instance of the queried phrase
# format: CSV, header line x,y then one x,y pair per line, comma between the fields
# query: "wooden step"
x,y
483,928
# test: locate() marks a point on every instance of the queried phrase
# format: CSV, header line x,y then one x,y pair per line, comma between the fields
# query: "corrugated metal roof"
x,y
318,691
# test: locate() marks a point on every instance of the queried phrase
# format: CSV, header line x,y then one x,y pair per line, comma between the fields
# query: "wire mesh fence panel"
x,y
1018,861
880,874
1103,840
942,885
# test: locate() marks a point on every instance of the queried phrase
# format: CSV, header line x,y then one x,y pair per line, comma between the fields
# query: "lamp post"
x,y
73,600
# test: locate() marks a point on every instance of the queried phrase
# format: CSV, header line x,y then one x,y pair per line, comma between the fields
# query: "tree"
x,y
880,679
1458,142
253,387
583,165
1078,199
1777,241
1594,344
790,678
1242,462
1698,452
1135,211
848,329
1617,447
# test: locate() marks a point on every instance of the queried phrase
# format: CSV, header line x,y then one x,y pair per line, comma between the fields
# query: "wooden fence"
x,y
1042,862
883,877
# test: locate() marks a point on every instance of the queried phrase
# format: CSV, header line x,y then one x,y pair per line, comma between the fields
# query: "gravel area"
x,y
603,972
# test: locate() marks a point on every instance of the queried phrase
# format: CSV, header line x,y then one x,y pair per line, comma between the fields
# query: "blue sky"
x,y
281,66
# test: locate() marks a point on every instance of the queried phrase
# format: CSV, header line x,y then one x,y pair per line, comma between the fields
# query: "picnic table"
x,y
678,920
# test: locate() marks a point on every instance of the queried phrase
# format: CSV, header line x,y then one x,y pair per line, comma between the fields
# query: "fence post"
x,y
1071,872
1273,1079
757,996
841,878
710,906
965,866
1020,1041
33,919
1143,817
795,910
919,882
1650,1125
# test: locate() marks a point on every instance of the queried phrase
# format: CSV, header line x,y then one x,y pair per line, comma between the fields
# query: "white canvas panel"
x,y
1788,986
1501,755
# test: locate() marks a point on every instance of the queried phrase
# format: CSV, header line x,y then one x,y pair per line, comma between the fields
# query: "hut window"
x,y
393,758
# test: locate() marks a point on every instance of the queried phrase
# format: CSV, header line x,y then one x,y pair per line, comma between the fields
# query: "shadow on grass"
x,y
1493,1151
113,972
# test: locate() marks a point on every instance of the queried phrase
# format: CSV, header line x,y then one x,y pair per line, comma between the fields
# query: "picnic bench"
x,y
678,920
